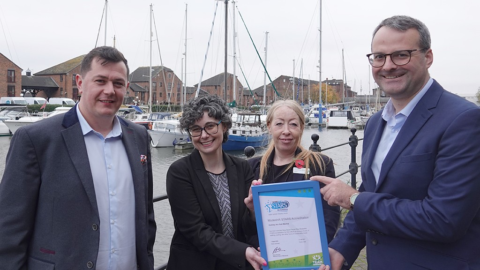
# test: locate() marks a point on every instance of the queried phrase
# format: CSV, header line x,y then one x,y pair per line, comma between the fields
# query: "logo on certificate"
x,y
279,206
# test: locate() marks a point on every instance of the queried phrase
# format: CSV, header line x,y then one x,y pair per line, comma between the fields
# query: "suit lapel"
x,y
205,181
77,151
137,167
377,126
415,121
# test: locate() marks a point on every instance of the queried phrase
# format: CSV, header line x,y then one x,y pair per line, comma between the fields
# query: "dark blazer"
x,y
198,242
331,213
48,211
424,213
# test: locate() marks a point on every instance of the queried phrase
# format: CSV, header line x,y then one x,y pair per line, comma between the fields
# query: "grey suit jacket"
x,y
48,211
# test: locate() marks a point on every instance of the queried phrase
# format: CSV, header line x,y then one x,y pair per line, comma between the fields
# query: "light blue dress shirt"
x,y
392,128
114,191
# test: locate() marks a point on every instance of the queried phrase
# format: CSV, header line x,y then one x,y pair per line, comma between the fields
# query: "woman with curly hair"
x,y
206,190
285,159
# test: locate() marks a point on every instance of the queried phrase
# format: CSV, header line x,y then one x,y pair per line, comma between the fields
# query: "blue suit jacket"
x,y
424,213
48,210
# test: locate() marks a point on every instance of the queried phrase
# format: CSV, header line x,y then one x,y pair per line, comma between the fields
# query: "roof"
x,y
137,88
62,68
10,60
141,73
215,80
38,82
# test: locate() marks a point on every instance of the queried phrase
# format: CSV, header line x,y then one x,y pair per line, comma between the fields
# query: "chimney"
x,y
29,73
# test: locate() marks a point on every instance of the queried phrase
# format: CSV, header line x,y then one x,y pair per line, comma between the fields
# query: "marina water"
x,y
163,157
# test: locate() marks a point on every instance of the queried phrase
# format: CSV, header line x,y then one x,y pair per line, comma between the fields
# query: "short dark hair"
x,y
213,105
106,54
403,23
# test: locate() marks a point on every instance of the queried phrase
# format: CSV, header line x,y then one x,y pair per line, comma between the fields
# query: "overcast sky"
x,y
37,35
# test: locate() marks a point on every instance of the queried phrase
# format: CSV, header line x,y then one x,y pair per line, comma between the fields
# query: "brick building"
x,y
64,76
10,78
166,86
215,86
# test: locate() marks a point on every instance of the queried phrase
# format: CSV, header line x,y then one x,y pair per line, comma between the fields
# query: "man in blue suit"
x,y
77,188
418,206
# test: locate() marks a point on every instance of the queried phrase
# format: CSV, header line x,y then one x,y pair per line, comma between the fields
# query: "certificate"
x,y
290,225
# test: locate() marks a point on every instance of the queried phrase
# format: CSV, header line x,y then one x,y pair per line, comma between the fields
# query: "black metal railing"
x,y
353,167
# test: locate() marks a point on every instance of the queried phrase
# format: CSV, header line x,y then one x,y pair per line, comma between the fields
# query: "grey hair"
x,y
214,106
403,23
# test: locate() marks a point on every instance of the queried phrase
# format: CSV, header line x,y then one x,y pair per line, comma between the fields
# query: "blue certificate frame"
x,y
290,225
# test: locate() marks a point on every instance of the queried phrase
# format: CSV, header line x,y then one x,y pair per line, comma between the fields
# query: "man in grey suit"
x,y
77,188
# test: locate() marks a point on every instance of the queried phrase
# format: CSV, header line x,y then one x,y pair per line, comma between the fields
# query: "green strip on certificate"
x,y
290,225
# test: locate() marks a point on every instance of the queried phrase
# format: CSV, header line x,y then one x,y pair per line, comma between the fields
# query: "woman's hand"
x,y
254,258
336,259
249,200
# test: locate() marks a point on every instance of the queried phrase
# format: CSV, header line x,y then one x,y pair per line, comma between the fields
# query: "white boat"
x,y
15,124
340,119
311,117
167,133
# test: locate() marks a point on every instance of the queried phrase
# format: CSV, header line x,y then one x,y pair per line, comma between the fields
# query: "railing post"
x,y
353,142
315,147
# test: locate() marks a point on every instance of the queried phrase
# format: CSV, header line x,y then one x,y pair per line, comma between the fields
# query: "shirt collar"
x,y
86,128
389,111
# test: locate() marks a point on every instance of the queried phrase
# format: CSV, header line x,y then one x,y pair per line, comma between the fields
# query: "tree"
x,y
331,98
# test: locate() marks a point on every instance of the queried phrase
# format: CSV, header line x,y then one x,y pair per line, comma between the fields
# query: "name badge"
x,y
300,171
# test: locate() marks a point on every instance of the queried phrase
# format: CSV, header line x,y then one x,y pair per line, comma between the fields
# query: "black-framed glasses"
x,y
399,58
210,128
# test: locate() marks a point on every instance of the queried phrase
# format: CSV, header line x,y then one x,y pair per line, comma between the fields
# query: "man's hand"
x,y
249,200
336,259
254,258
335,192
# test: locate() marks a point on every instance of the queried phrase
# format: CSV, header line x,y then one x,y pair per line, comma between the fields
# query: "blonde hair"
x,y
310,158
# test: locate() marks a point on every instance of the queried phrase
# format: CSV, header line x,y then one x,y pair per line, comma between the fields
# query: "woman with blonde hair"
x,y
286,160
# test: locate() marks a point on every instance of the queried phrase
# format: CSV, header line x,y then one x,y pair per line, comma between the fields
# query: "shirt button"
x,y
374,242
94,227
113,250
112,221
109,166
89,264
113,193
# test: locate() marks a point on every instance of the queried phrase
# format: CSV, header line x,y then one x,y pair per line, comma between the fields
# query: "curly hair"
x,y
213,105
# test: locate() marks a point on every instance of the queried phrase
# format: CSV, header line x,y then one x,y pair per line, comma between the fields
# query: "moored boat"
x,y
247,130
166,133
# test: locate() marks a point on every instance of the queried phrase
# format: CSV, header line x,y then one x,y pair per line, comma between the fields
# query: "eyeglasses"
x,y
399,58
209,128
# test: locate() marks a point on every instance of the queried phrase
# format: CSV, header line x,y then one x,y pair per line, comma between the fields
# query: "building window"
x,y
161,84
160,94
75,94
61,78
154,86
11,91
169,86
10,76
142,95
74,83
169,75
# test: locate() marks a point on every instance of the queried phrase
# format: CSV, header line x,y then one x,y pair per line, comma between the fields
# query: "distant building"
x,y
166,86
64,75
215,86
10,78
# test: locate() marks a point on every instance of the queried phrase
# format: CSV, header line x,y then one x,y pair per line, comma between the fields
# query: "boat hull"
x,y
238,142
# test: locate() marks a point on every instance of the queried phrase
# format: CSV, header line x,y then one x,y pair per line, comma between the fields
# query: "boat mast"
x,y
234,55
184,98
293,81
265,73
320,118
106,8
226,52
150,67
